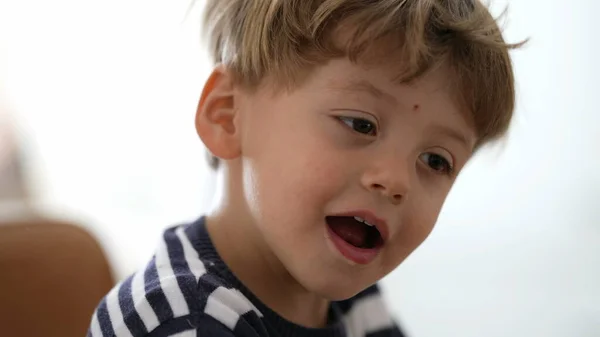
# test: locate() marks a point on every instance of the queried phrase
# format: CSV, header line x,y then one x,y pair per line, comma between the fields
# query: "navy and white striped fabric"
x,y
187,290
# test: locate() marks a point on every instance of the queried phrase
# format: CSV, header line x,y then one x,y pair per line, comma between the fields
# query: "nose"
x,y
392,181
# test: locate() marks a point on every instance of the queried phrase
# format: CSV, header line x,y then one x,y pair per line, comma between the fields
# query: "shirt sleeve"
x,y
154,313
198,326
390,332
203,326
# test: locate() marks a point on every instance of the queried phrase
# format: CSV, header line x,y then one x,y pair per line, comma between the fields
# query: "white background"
x,y
104,94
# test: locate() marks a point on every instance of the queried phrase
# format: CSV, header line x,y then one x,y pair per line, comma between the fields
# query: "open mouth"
x,y
355,231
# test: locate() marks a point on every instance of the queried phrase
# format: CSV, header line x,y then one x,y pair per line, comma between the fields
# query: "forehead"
x,y
434,92
380,81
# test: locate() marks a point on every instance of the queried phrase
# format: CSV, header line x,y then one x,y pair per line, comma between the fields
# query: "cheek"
x,y
293,178
425,212
290,199
302,180
417,225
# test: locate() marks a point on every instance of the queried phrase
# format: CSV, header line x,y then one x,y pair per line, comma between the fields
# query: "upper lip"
x,y
371,218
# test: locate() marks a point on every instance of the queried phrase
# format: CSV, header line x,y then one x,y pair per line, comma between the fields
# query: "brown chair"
x,y
52,276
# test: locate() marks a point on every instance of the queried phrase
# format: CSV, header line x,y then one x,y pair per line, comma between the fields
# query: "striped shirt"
x,y
187,290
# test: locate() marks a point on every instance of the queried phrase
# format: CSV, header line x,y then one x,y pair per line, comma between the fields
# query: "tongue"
x,y
352,231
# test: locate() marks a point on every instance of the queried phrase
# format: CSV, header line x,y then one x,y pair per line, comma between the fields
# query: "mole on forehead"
x,y
366,86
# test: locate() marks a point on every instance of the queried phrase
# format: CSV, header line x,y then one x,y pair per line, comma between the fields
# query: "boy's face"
x,y
349,142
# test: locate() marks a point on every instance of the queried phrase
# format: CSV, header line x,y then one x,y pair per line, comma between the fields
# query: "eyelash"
x,y
350,122
447,168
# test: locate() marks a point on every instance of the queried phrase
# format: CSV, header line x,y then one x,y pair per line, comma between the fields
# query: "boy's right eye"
x,y
360,125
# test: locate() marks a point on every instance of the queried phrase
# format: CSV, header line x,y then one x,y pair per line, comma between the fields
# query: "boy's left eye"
x,y
360,125
437,163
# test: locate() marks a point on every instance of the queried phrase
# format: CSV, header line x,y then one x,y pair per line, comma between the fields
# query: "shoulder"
x,y
175,295
368,314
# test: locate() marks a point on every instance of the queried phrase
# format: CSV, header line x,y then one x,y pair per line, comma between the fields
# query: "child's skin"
x,y
346,139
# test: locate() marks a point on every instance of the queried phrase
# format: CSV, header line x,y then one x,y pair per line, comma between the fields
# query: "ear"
x,y
216,116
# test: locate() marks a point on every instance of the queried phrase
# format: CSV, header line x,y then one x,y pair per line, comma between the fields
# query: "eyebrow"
x,y
363,85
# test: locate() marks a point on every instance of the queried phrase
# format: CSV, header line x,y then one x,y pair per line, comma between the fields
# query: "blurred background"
x,y
97,100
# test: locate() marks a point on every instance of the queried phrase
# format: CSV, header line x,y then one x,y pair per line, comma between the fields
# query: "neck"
x,y
239,242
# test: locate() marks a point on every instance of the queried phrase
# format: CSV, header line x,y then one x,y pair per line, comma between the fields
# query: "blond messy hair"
x,y
282,39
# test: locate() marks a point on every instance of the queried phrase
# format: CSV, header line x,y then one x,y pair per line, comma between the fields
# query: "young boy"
x,y
340,127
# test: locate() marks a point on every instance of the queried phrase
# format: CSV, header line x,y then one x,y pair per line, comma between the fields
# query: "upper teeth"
x,y
359,219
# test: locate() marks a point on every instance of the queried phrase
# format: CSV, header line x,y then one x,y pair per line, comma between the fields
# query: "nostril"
x,y
378,187
396,197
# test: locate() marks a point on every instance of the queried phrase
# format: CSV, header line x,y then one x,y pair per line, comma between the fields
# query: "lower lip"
x,y
352,253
